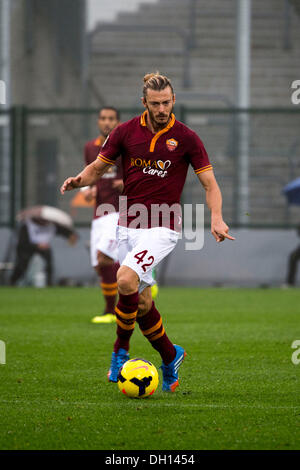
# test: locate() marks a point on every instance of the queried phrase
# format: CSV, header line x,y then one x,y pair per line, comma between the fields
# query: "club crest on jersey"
x,y
171,144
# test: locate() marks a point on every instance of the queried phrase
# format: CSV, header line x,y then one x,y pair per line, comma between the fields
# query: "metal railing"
x,y
273,160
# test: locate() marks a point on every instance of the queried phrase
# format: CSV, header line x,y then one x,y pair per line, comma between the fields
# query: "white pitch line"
x,y
153,403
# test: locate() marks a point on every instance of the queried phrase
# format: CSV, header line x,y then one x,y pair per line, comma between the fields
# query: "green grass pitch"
x,y
239,388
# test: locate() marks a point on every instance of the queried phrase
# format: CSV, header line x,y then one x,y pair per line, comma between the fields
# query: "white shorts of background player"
x,y
104,237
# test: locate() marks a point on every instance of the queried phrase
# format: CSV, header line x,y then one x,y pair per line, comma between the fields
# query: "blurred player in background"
x,y
103,242
156,152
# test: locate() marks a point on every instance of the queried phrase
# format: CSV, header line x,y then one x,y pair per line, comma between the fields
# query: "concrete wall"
x,y
106,10
47,52
255,258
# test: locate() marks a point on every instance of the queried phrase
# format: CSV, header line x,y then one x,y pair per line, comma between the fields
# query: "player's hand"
x,y
70,183
89,193
220,230
118,185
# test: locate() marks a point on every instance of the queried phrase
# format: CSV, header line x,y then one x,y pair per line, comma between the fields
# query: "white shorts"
x,y
143,249
104,238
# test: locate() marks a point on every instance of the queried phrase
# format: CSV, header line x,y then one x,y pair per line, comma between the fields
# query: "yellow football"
x,y
138,378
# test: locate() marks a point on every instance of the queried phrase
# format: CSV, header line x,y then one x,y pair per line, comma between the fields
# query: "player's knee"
x,y
127,280
98,270
103,260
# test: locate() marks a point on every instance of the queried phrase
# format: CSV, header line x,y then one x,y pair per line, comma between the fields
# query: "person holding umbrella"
x,y
38,226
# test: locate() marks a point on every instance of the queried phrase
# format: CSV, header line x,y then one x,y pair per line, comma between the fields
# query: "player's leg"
x,y
151,325
159,242
24,252
126,311
128,287
107,269
127,306
145,249
47,256
292,266
21,264
104,259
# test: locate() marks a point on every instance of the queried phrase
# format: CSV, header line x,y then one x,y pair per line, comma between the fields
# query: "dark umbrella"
x,y
292,192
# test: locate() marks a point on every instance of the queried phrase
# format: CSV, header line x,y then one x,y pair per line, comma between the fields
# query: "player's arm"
x,y
219,229
118,182
89,192
87,177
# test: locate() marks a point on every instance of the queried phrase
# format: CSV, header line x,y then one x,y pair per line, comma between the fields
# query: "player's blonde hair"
x,y
156,81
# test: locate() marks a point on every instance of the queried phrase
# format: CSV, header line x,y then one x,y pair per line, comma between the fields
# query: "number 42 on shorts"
x,y
141,256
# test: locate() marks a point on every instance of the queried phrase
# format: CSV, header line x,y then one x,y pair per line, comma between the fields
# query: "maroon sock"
x,y
109,286
152,327
126,311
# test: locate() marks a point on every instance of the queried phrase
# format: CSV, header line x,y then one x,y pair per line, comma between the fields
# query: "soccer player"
x,y
156,152
103,242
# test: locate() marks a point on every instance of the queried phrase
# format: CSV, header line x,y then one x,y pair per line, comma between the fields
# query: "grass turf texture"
x,y
238,386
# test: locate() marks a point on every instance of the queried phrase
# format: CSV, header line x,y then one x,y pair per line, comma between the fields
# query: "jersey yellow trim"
x,y
205,168
99,141
158,134
105,160
143,119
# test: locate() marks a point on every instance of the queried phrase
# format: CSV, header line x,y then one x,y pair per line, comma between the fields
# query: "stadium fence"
x,y
39,148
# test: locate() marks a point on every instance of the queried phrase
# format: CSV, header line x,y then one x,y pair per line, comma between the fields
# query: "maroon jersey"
x,y
154,165
106,193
